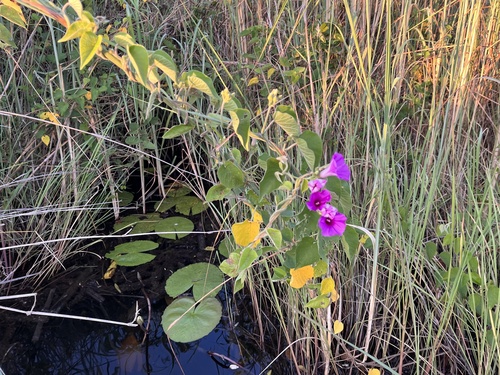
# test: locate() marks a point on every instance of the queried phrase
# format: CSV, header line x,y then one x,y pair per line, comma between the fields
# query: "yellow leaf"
x,y
334,296
338,327
256,216
245,233
253,81
88,95
300,276
373,371
49,116
110,271
327,286
45,139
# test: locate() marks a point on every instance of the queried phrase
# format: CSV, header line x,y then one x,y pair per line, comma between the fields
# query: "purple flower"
x,y
337,168
331,222
318,200
316,185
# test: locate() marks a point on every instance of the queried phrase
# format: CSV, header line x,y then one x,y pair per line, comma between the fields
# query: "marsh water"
x,y
37,345
69,346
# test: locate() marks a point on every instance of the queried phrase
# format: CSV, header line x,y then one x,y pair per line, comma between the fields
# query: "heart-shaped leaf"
x,y
184,321
89,44
132,247
204,278
177,226
133,259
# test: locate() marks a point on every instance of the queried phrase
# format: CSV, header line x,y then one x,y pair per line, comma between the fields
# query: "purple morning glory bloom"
x,y
337,168
318,200
331,222
316,185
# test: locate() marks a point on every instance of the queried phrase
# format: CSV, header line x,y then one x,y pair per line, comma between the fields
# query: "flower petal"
x,y
337,168
318,200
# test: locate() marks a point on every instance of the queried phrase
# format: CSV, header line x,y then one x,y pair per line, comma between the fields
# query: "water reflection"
x,y
72,347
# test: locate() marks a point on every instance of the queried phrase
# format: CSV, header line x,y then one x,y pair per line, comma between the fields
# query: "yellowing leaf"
x,y
245,233
110,271
300,276
45,139
327,286
256,216
253,81
373,371
49,116
88,95
338,327
334,296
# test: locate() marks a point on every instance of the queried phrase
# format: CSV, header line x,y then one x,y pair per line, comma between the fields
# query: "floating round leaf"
x,y
133,259
175,227
186,321
204,278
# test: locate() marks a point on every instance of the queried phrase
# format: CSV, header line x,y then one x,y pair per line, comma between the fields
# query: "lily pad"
x,y
189,205
204,278
184,321
185,205
140,223
132,253
177,226
133,259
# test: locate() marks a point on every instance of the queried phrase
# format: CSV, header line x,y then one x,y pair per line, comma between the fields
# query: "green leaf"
x,y
130,254
13,14
166,64
184,321
228,101
87,16
304,253
230,266
430,250
226,247
201,82
241,124
138,246
279,273
177,226
239,282
230,175
270,182
248,255
89,44
124,39
139,58
320,302
177,130
217,193
178,191
140,223
204,278
320,268
164,205
350,242
275,236
125,198
133,259
343,199
185,205
6,37
311,148
189,205
493,296
476,303
286,118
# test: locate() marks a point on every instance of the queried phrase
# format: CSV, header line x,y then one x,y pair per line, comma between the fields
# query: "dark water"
x,y
70,347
